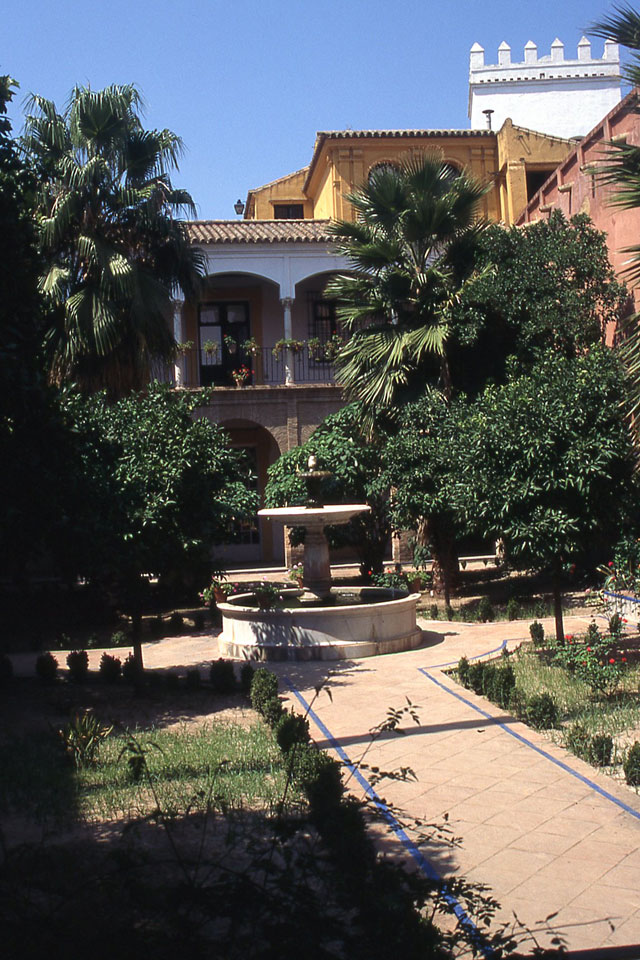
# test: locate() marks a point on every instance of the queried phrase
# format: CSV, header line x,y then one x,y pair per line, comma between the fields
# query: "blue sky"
x,y
246,84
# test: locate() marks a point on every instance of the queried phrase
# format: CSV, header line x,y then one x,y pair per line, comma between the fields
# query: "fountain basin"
x,y
375,621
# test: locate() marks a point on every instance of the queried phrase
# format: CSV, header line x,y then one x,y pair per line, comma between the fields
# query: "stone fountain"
x,y
319,622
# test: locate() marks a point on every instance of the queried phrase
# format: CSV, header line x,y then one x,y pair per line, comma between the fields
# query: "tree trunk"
x,y
446,569
557,609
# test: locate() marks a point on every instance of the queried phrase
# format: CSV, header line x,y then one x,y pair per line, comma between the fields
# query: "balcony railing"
x,y
267,369
305,369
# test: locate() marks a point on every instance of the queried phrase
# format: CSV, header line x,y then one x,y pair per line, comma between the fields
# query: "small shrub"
x,y
78,664
463,671
320,778
513,609
449,612
176,624
537,634
222,676
291,728
577,740
129,670
600,750
273,711
433,611
46,667
485,611
476,677
246,678
156,626
198,620
631,765
6,669
518,704
92,641
119,639
110,668
82,738
193,680
499,685
540,609
542,712
172,681
264,687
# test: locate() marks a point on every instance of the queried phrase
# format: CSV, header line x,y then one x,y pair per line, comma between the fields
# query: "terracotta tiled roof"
x,y
342,134
258,231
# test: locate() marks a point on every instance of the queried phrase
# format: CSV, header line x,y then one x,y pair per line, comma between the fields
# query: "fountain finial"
x,y
314,480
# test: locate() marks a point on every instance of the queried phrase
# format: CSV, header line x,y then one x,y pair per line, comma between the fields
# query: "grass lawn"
x,y
219,765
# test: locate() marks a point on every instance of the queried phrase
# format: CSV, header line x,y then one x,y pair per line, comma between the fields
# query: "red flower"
x,y
588,649
584,663
569,636
624,659
612,660
610,563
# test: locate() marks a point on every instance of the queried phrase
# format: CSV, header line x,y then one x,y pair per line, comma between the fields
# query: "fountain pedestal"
x,y
316,577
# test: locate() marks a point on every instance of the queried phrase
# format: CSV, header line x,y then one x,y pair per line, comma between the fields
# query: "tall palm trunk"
x,y
437,535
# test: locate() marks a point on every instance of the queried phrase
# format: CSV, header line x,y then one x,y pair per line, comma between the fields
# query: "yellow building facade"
x,y
513,161
262,304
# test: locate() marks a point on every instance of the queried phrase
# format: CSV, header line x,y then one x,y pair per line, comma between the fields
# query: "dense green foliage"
x,y
156,488
114,247
546,459
549,285
357,477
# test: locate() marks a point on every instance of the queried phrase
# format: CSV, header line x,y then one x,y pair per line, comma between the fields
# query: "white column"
x,y
287,304
179,370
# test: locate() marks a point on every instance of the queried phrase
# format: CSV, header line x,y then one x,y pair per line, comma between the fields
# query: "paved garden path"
x,y
544,831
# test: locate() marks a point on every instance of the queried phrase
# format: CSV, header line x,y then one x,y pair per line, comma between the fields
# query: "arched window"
x,y
449,172
380,167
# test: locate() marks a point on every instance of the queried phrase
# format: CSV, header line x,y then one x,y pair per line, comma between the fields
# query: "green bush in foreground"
x,y
78,664
222,677
537,634
541,712
264,687
46,667
110,668
631,765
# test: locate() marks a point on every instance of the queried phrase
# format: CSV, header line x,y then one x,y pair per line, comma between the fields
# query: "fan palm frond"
x,y
409,250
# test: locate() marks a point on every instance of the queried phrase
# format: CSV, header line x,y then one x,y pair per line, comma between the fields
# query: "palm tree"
x,y
410,252
114,248
620,170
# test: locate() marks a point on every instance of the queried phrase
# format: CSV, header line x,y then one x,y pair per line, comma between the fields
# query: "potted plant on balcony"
x,y
287,344
210,348
314,348
332,347
230,343
251,346
241,375
183,347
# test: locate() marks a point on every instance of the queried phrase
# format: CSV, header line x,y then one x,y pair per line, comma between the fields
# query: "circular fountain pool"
x,y
356,622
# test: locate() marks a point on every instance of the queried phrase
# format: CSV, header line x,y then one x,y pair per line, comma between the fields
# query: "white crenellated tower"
x,y
550,94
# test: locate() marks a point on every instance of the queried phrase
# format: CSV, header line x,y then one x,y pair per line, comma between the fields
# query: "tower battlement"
x,y
552,93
